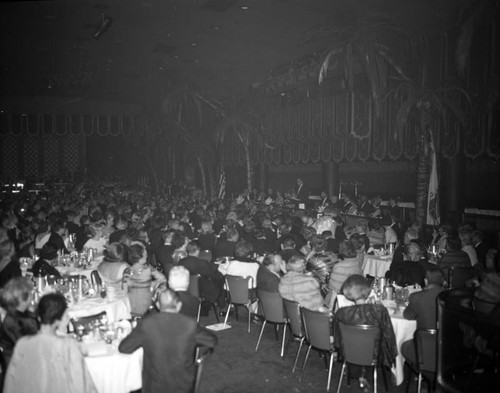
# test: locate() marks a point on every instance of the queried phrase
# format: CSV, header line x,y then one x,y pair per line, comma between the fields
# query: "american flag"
x,y
222,183
433,193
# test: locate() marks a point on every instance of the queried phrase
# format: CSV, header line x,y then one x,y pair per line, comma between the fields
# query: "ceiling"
x,y
219,47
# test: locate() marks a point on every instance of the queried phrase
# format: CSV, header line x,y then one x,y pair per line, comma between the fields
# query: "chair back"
x,y
238,288
318,328
272,306
194,285
482,306
458,276
294,313
426,349
95,278
358,343
89,322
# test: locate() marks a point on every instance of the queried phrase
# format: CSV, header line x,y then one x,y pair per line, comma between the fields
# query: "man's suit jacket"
x,y
267,280
57,241
422,307
224,248
200,266
169,342
164,257
303,193
481,251
190,304
211,281
287,253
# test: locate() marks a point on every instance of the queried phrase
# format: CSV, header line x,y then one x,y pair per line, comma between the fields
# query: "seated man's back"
x,y
169,340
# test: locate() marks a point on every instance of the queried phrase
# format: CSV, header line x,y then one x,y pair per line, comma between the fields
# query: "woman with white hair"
x,y
299,286
97,241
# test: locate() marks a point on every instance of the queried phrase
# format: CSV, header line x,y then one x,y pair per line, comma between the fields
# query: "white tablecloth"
x,y
114,372
73,271
376,266
116,308
403,330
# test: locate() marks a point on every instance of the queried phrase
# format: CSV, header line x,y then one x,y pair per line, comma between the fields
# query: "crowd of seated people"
x,y
310,256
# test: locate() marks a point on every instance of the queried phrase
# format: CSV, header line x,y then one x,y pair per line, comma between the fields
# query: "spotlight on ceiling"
x,y
103,26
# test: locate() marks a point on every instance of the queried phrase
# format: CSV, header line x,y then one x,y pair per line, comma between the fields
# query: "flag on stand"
x,y
222,183
433,193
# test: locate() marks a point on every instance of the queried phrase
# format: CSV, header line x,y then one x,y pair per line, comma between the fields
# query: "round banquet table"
x,y
112,371
117,307
403,330
375,265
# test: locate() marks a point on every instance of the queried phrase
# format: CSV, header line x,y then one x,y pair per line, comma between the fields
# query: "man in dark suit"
x,y
454,256
164,252
211,280
302,192
268,275
225,247
480,246
178,281
56,237
422,308
169,340
288,248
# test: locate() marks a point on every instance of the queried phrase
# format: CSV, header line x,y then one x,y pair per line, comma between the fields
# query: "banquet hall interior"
x,y
341,158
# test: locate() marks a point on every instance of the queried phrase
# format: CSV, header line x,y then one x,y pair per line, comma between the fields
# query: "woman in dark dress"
x,y
357,289
9,265
15,298
44,266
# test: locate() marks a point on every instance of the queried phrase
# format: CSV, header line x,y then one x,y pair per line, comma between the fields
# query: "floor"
x,y
236,367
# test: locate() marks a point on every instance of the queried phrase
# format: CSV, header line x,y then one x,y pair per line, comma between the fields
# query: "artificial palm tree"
x,y
363,46
426,107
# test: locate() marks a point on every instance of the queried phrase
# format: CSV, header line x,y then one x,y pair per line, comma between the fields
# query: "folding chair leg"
x,y
330,369
305,361
419,388
283,343
384,376
215,312
249,317
260,335
227,314
199,312
276,329
298,353
374,379
340,378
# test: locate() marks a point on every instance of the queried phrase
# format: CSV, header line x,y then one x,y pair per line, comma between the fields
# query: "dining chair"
x,y
358,348
273,312
87,323
318,329
239,295
95,278
201,355
194,289
483,306
425,341
3,368
458,276
294,314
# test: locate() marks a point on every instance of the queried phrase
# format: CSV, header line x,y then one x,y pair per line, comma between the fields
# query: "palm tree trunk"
x,y
203,177
422,175
246,147
211,181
